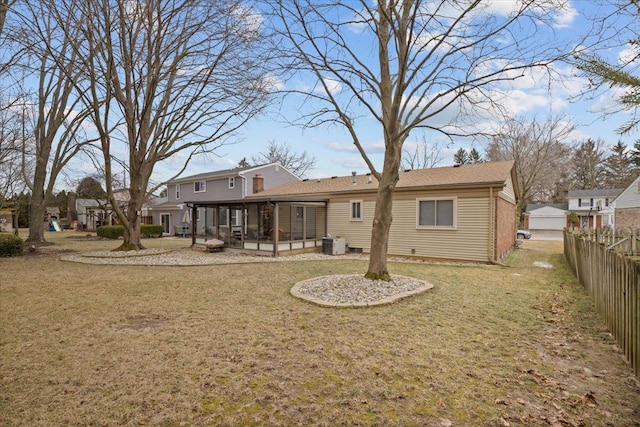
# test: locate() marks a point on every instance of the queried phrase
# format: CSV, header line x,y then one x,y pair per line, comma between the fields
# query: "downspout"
x,y
492,227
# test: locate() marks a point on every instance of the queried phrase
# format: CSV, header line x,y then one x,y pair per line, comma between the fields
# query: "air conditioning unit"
x,y
333,246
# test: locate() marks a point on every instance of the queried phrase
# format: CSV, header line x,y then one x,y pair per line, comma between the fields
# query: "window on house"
x,y
177,191
232,182
356,210
606,202
579,203
591,202
199,186
436,213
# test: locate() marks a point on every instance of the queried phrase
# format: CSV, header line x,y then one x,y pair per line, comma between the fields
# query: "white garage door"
x,y
547,223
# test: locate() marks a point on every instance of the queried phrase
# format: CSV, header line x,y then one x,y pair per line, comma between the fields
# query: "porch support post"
x,y
217,214
276,228
194,209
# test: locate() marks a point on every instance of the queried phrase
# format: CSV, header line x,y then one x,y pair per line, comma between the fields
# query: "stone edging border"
x,y
295,291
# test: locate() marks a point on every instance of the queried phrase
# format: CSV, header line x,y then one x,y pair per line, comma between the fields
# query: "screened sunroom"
x,y
265,227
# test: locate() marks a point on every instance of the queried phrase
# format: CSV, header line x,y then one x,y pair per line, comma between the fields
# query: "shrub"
x,y
151,230
117,231
10,245
110,231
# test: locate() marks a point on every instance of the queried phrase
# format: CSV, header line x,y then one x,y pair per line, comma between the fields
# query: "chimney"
x,y
353,174
258,183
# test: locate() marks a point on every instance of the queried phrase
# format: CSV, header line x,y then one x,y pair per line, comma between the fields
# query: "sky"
x,y
532,95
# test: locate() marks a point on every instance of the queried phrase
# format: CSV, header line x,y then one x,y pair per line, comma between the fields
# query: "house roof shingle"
x,y
218,174
533,206
607,192
490,173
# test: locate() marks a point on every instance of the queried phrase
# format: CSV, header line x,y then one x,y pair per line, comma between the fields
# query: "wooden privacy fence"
x,y
613,282
626,242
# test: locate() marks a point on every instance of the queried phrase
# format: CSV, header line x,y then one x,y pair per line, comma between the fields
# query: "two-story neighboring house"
x,y
593,207
231,184
627,207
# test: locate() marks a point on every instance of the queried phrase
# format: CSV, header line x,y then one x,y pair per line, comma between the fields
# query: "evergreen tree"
x,y
634,155
475,157
618,168
461,157
588,168
90,188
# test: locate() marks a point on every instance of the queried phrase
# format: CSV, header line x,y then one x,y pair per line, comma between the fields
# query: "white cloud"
x,y
565,15
272,83
333,86
249,19
369,147
342,146
628,55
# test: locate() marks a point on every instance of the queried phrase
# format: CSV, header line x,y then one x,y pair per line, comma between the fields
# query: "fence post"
x,y
613,282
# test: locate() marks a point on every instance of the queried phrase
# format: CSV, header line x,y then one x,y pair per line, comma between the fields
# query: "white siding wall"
x,y
630,197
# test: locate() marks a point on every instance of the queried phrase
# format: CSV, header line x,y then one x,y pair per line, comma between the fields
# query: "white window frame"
x,y
203,186
454,225
351,205
177,191
232,182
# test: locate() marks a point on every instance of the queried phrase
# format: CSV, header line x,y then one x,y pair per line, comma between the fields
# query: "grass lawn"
x,y
227,345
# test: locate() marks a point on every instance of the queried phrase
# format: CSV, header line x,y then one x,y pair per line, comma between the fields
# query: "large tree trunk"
x,y
382,217
132,237
38,203
36,223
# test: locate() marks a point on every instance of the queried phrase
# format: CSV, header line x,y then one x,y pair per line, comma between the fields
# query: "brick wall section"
x,y
627,218
505,228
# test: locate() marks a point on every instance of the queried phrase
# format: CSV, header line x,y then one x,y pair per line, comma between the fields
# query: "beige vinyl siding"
x,y
356,233
509,192
469,241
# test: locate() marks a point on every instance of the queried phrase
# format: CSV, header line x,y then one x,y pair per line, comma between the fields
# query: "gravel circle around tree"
x,y
354,290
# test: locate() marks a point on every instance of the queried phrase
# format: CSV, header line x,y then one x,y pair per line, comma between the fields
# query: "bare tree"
x,y
166,79
423,155
51,121
412,65
5,5
11,144
297,163
539,153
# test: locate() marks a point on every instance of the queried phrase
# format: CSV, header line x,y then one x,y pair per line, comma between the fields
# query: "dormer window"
x,y
199,186
177,191
232,182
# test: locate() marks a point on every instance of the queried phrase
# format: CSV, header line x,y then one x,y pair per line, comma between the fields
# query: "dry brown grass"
x,y
227,345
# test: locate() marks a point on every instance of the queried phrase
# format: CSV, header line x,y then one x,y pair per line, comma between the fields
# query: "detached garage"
x,y
546,216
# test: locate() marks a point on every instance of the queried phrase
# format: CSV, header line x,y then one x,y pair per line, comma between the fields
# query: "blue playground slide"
x,y
54,225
